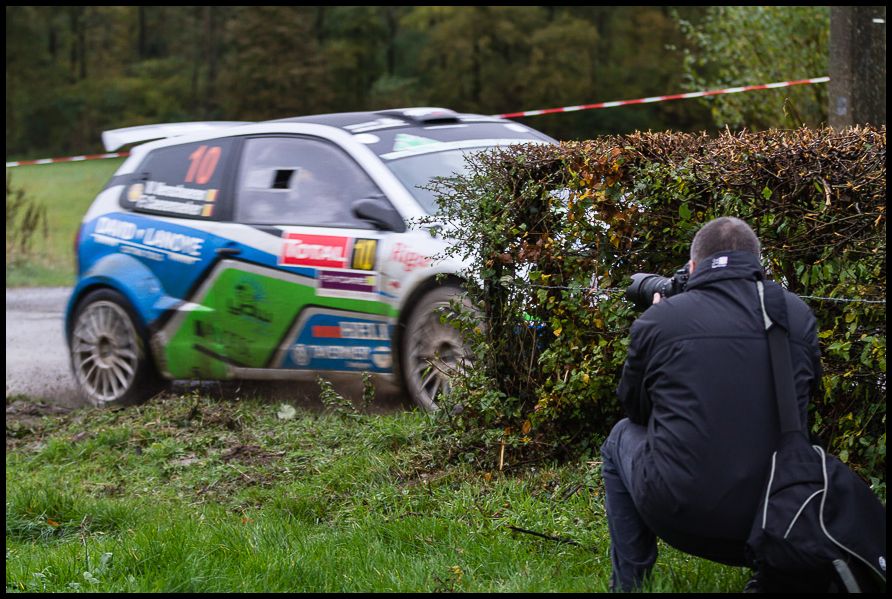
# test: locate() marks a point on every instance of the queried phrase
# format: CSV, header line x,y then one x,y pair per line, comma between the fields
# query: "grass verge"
x,y
191,494
66,189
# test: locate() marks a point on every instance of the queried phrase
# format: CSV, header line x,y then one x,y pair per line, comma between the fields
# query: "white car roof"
x,y
116,138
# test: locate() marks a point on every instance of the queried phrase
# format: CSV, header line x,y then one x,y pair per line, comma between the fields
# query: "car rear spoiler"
x,y
116,138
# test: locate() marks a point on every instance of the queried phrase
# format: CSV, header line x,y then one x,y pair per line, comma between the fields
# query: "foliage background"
x,y
74,71
765,43
553,234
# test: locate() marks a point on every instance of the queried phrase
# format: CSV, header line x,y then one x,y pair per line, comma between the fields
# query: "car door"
x,y
301,287
165,232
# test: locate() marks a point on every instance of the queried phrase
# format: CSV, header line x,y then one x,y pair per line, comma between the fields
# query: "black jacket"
x,y
698,375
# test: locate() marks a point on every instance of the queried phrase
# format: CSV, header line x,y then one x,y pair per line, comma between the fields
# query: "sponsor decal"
x,y
247,302
340,280
303,354
148,242
326,332
178,192
352,356
173,242
404,141
135,192
118,229
409,259
314,250
171,207
255,316
234,345
364,251
331,341
382,358
243,314
377,331
141,253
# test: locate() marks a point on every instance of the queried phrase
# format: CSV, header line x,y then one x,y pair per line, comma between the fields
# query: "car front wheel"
x,y
435,351
108,354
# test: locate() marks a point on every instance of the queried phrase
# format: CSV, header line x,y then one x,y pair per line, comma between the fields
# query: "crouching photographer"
x,y
688,464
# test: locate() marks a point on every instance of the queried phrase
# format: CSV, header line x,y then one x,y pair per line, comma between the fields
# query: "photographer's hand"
x,y
657,298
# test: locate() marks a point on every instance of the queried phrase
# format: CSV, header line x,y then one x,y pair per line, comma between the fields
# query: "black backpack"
x,y
819,527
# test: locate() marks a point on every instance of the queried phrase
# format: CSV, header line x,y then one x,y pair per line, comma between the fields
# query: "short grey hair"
x,y
724,234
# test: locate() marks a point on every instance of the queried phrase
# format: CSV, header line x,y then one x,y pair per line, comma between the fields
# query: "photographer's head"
x,y
723,234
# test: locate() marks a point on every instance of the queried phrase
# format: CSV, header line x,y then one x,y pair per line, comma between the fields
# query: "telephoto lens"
x,y
644,285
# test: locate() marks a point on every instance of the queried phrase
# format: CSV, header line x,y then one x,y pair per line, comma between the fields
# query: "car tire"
x,y
109,354
432,349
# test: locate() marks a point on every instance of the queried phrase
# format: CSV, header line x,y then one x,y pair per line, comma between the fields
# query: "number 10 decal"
x,y
203,162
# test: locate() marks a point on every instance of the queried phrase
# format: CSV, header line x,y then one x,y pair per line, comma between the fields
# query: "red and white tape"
x,y
715,92
514,115
68,159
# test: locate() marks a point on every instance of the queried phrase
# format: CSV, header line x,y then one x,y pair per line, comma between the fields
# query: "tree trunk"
x,y
392,20
82,43
142,33
857,65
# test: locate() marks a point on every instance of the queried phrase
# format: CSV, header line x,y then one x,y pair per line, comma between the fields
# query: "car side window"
x,y
183,181
299,181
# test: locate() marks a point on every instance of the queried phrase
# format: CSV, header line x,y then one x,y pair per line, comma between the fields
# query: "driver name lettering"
x,y
175,191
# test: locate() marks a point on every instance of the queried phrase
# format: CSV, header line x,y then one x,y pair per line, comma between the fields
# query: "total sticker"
x,y
314,250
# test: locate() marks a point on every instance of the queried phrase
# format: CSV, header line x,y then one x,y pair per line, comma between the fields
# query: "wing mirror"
x,y
380,213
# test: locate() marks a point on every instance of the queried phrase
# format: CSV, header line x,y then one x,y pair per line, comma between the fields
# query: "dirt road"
x,y
36,354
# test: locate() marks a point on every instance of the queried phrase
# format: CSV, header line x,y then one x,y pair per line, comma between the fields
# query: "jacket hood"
x,y
726,265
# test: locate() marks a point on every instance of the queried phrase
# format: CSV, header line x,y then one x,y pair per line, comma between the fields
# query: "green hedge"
x,y
553,235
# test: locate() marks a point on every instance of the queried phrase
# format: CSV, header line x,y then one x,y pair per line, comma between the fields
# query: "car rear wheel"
x,y
109,355
434,351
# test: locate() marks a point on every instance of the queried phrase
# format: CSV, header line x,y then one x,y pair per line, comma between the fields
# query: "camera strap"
x,y
781,364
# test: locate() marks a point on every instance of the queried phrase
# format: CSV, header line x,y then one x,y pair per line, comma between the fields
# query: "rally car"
x,y
276,250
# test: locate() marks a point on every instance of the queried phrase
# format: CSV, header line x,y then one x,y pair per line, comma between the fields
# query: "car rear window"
x,y
183,181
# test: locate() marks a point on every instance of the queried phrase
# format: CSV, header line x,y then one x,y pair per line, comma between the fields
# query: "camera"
x,y
644,285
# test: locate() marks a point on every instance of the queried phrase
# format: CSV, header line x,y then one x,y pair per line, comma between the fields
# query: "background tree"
x,y
746,45
74,71
274,66
469,53
354,46
638,53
